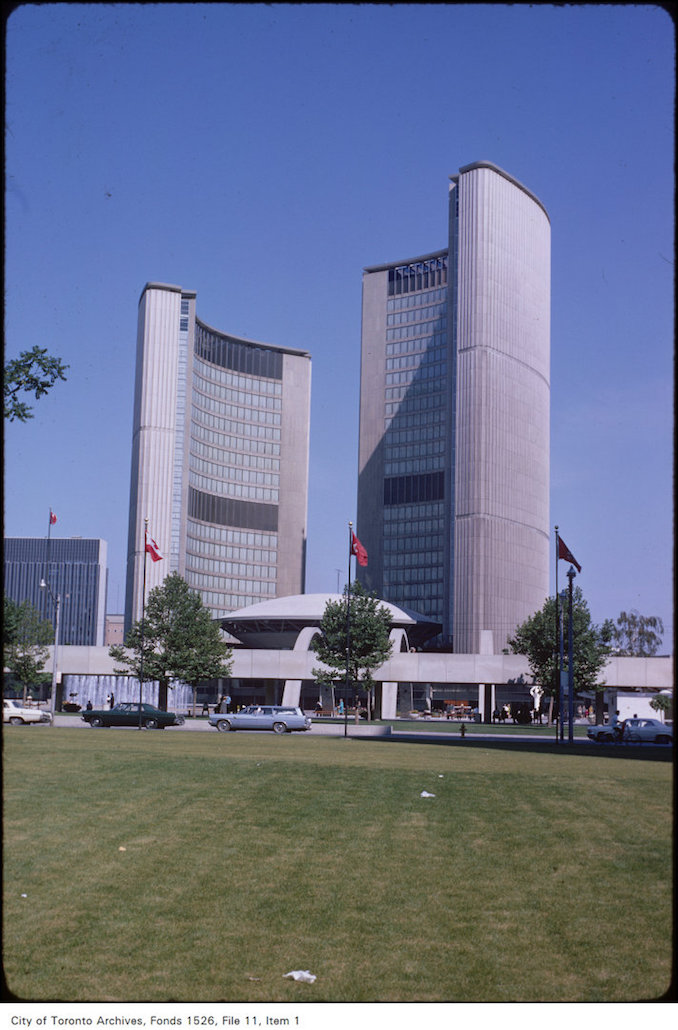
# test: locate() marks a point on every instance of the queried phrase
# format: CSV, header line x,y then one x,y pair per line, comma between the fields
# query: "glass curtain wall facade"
x,y
454,417
220,458
75,571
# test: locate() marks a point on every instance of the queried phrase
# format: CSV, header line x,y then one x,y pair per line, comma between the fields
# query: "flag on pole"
x,y
52,517
153,549
358,550
566,554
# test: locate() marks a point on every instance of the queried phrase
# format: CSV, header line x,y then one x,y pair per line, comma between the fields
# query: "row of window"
x,y
271,418
261,431
427,434
247,383
411,595
425,343
228,473
214,567
416,358
249,444
415,574
228,551
418,275
231,511
235,490
424,547
237,355
427,370
409,332
412,419
414,401
415,300
425,447
239,537
225,583
236,459
413,315
410,489
223,604
413,466
233,396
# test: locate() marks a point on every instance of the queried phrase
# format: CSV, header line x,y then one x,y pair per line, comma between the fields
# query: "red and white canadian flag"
x,y
153,549
52,517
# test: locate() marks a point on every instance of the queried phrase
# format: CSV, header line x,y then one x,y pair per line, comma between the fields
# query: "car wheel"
x,y
602,738
662,738
151,724
16,720
95,723
223,725
179,720
279,727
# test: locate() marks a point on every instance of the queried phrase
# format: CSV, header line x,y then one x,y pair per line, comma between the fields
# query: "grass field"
x,y
200,867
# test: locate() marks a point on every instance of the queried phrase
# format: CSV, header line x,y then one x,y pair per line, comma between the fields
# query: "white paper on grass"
x,y
302,975
425,794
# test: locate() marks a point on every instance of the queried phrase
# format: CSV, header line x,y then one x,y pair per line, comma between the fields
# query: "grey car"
x,y
635,730
279,718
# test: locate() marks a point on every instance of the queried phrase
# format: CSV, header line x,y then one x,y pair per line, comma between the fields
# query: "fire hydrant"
x,y
463,729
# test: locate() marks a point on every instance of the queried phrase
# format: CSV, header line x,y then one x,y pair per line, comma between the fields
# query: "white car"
x,y
14,713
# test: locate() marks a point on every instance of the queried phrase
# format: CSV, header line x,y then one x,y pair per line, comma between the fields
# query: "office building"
x,y
454,417
219,458
74,570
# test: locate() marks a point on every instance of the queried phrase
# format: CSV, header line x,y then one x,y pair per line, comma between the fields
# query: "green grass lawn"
x,y
528,877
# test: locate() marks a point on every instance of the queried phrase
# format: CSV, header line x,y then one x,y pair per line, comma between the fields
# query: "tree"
x,y
25,639
535,639
637,635
179,640
370,647
34,371
661,703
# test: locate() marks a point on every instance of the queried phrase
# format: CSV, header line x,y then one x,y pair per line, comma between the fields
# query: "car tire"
x,y
151,724
279,727
95,723
662,738
179,720
603,738
16,720
224,726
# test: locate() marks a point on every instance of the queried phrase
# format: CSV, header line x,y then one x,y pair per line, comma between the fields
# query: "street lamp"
x,y
56,601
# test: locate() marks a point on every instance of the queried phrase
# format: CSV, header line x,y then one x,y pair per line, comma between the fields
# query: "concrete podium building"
x,y
219,458
454,416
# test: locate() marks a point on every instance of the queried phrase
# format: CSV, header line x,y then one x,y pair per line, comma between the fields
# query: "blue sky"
x,y
262,156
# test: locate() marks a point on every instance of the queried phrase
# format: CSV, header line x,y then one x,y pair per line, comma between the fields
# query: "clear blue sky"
x,y
263,155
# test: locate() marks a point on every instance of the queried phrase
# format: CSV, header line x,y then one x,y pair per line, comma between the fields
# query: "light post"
x,y
56,601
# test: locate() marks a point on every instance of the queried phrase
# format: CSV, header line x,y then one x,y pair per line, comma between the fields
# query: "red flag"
x,y
566,554
153,549
52,517
358,550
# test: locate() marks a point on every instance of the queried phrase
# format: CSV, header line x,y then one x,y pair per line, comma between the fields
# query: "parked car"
x,y
14,713
650,731
126,713
279,718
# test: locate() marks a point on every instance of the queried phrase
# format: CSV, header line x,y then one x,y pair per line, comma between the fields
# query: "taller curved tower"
x,y
454,416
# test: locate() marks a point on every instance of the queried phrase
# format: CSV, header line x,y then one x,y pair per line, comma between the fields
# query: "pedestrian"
x,y
88,706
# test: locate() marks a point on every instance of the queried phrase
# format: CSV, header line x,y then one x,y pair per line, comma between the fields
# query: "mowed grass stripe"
x,y
247,856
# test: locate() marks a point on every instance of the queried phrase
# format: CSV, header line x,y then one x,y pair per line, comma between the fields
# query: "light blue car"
x,y
279,718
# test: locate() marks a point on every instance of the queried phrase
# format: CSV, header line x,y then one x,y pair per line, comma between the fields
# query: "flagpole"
x,y
49,544
348,628
557,645
143,613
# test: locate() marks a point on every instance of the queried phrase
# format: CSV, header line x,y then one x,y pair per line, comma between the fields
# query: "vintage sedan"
x,y
635,730
14,713
279,718
126,713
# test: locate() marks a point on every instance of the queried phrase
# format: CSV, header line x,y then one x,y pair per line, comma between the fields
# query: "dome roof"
x,y
275,624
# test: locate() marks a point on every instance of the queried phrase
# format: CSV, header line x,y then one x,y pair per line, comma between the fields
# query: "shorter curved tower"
x,y
219,458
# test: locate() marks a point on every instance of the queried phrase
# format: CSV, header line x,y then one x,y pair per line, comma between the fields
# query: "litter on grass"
x,y
302,975
425,794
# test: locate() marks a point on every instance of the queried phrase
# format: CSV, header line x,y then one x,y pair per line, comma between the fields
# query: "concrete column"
x,y
389,698
291,692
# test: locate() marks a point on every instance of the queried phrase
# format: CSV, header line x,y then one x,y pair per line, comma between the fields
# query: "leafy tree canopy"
x,y
25,638
179,640
370,647
637,635
536,639
34,371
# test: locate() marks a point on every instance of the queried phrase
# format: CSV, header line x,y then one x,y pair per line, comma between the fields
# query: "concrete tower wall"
x,y
501,528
